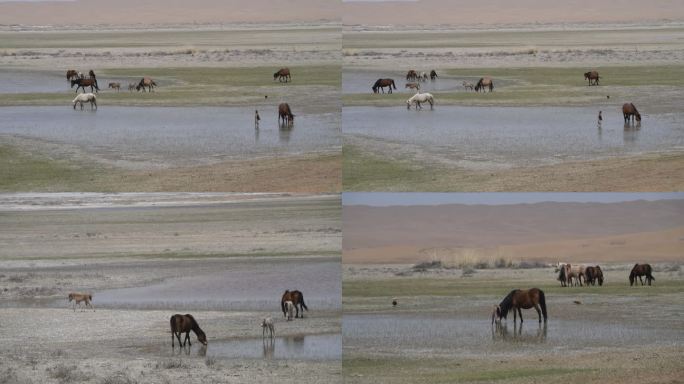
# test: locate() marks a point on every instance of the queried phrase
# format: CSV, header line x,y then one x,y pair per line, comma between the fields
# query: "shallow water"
x,y
477,136
171,135
440,333
254,285
299,347
33,81
362,82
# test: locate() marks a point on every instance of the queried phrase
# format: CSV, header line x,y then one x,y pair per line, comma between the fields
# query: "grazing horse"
x,y
71,74
285,113
411,75
593,275
382,83
289,308
415,86
433,74
85,98
267,324
483,83
83,83
295,297
116,86
145,82
77,298
629,112
186,323
131,87
283,73
641,270
520,298
419,98
467,86
593,77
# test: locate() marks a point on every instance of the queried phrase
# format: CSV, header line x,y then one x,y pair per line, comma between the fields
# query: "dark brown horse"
x,y
295,297
71,74
283,73
433,74
83,83
185,324
640,270
520,298
485,82
629,112
145,82
411,75
382,83
593,275
593,77
285,113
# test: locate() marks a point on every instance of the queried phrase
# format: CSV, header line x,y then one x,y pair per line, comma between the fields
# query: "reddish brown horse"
x,y
521,298
71,74
411,75
382,83
145,82
593,77
283,73
593,275
629,112
295,297
285,113
83,83
485,82
185,324
640,270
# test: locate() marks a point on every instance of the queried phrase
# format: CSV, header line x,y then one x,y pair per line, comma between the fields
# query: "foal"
x,y
77,298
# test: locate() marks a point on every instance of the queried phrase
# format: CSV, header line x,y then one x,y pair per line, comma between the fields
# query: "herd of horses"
x,y
578,275
291,303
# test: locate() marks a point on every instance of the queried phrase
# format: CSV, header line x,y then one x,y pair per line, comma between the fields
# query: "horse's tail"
x,y
301,301
542,303
393,86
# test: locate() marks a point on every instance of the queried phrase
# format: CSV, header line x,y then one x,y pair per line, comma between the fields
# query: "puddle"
x,y
172,135
446,334
254,285
514,135
362,82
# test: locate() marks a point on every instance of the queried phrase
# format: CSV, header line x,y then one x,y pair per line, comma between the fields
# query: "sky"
x,y
408,199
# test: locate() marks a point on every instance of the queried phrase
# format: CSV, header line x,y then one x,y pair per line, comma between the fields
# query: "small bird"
x,y
394,302
607,96
600,118
577,302
265,96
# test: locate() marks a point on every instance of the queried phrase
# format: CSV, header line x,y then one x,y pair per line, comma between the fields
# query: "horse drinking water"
x,y
297,298
419,98
521,298
382,83
85,98
185,324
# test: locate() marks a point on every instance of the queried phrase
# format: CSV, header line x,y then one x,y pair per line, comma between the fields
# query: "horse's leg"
x,y
520,313
515,317
536,306
187,337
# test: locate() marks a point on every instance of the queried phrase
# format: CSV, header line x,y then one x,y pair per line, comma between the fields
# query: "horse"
x,y
629,112
433,74
283,73
186,323
423,76
411,75
484,82
77,298
295,297
285,113
85,98
420,98
641,270
267,324
519,298
382,83
593,275
562,275
131,87
415,86
83,83
145,82
593,77
71,74
467,86
116,86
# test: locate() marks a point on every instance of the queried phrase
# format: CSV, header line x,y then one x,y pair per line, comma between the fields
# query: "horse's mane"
x,y
507,303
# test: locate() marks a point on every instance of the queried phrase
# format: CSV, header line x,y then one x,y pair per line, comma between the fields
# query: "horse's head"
x,y
201,337
275,75
638,117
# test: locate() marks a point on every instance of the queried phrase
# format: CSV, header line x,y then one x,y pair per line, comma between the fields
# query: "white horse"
x,y
85,98
289,307
420,98
267,323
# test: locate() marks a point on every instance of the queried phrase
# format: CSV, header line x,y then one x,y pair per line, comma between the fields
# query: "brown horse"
x,y
77,298
83,83
641,270
413,85
485,82
145,82
295,297
382,83
521,298
593,275
411,75
593,77
433,74
285,113
283,73
629,112
71,74
116,86
186,323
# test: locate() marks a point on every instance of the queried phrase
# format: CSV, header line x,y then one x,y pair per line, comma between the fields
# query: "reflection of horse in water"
x,y
500,332
268,346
